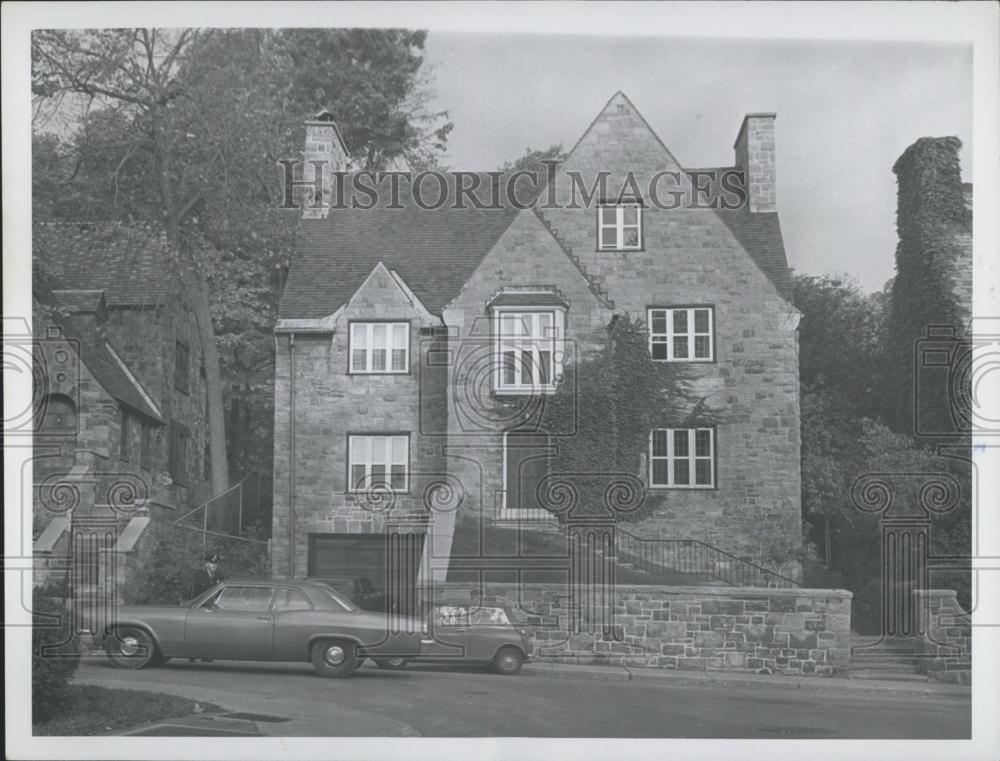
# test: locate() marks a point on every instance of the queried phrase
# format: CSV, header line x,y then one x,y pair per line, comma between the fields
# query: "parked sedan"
x,y
463,634
260,620
360,591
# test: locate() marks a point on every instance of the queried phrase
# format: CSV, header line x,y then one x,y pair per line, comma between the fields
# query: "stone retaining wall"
x,y
767,631
945,648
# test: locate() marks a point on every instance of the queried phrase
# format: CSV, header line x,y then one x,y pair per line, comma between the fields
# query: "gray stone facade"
x,y
689,256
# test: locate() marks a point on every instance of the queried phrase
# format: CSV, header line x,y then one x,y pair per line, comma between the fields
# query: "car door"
x,y
235,624
294,615
489,628
449,638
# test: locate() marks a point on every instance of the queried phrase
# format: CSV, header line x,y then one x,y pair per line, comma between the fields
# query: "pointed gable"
x,y
620,141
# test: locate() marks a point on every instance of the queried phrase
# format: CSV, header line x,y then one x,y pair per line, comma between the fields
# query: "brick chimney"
x,y
323,143
754,148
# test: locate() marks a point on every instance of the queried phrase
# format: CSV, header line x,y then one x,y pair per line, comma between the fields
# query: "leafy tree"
x,y
134,70
186,128
535,160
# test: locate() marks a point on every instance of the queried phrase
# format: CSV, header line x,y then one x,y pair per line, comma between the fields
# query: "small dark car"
x,y
261,620
464,634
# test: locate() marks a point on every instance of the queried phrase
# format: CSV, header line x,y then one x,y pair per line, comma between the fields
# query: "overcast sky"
x,y
846,111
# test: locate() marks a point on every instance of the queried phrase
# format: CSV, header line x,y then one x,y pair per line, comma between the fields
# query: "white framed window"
x,y
380,347
682,458
529,348
619,226
681,334
378,461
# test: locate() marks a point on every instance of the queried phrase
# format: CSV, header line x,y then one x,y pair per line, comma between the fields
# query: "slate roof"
x,y
131,263
435,251
760,234
99,358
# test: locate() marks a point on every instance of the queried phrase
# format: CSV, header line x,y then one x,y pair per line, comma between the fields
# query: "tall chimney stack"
x,y
754,148
323,144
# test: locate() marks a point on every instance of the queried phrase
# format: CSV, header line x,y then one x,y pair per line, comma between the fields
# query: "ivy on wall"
x,y
930,217
600,420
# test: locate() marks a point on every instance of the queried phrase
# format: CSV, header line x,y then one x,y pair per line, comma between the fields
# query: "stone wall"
x,y
750,630
945,649
690,257
330,403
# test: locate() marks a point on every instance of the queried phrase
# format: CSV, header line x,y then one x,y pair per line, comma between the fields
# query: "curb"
x,y
732,679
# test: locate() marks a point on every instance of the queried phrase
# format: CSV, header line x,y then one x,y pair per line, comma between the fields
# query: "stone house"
x,y
411,333
120,423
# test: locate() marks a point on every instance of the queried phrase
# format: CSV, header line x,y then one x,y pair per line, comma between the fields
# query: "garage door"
x,y
390,562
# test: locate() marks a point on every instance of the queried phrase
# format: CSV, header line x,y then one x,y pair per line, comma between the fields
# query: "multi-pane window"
x,y
379,461
380,347
681,334
682,458
528,345
619,227
182,366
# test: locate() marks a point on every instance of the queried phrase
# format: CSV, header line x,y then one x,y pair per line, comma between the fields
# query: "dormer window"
x,y
380,347
619,226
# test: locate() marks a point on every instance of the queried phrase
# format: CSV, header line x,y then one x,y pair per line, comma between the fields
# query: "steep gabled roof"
x,y
433,250
99,357
132,263
760,235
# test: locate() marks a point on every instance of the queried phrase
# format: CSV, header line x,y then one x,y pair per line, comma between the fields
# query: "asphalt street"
x,y
422,701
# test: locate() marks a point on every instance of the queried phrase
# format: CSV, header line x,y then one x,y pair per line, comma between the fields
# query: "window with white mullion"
x,y
526,350
682,458
378,461
620,226
380,347
681,334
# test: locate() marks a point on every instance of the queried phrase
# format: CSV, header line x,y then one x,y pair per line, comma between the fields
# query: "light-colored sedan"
x,y
261,620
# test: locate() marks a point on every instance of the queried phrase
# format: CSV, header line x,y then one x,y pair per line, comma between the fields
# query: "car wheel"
x,y
130,648
507,661
392,664
334,658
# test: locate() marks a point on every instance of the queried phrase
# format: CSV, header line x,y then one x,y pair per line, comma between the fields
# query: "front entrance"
x,y
527,462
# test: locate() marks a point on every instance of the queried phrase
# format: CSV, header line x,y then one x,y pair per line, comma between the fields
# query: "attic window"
x,y
619,226
380,347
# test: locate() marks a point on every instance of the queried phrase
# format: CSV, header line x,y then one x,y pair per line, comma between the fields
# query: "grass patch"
x,y
88,710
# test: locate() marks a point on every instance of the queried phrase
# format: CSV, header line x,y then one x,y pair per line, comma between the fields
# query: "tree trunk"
x,y
193,279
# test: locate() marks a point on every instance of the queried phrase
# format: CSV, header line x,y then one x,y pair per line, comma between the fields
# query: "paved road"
x,y
470,703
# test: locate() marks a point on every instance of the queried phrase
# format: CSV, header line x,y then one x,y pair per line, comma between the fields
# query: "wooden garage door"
x,y
354,556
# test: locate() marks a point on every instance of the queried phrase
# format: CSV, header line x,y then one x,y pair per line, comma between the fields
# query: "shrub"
x,y
55,655
165,578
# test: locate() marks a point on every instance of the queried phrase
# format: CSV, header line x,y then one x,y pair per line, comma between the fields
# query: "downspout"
x,y
291,455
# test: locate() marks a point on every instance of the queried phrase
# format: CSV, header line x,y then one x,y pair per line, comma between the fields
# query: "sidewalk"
x,y
555,670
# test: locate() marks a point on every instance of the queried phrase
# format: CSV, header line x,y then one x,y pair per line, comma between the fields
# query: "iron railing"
x,y
690,556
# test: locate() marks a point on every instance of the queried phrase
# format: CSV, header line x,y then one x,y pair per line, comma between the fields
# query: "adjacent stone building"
x,y
120,426
412,334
